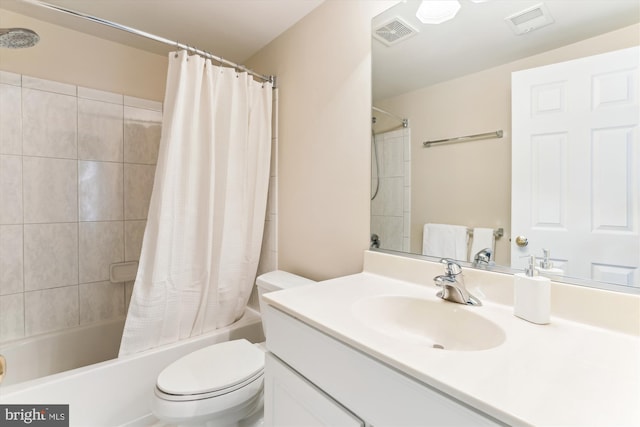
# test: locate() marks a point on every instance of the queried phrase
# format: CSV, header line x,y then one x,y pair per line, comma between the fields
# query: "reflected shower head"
x,y
17,38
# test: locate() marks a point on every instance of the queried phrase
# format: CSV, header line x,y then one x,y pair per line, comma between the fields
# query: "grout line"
x,y
24,299
78,198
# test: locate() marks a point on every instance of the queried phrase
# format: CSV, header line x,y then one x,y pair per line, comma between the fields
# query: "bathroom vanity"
x,y
374,349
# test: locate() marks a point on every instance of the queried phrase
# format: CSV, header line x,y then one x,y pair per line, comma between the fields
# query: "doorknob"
x,y
522,241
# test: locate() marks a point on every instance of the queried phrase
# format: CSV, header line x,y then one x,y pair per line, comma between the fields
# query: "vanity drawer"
x,y
292,401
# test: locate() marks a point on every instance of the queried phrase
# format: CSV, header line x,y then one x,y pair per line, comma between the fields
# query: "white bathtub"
x,y
59,351
117,392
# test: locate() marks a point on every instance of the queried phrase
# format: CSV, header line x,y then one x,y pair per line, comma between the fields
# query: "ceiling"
x,y
478,38
232,29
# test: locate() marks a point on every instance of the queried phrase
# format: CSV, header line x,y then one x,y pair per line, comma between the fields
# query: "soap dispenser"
x,y
546,265
532,295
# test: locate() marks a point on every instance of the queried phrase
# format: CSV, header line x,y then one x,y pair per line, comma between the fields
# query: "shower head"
x,y
17,38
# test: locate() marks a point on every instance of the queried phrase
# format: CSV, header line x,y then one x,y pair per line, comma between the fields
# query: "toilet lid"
x,y
212,368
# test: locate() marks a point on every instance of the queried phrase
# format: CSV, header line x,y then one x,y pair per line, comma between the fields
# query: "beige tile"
x,y
11,317
11,190
268,252
101,244
10,119
269,237
50,255
48,86
51,309
49,124
11,253
146,104
142,130
133,234
10,78
272,205
50,190
138,184
99,131
99,95
128,291
101,301
100,191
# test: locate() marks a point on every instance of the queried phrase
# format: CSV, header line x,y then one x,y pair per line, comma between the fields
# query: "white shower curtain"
x,y
206,217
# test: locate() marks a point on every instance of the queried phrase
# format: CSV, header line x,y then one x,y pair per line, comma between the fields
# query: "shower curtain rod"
x,y
200,52
405,122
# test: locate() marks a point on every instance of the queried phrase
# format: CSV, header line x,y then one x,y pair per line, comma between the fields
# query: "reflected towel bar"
x,y
497,233
479,136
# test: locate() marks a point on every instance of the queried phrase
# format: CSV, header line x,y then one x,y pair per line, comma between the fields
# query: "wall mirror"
x,y
435,82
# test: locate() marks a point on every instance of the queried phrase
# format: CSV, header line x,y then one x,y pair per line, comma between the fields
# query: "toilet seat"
x,y
214,393
221,382
211,371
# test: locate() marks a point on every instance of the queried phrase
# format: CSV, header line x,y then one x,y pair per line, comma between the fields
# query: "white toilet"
x,y
220,385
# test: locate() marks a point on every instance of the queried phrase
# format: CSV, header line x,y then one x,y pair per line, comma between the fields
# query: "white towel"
x,y
445,241
482,238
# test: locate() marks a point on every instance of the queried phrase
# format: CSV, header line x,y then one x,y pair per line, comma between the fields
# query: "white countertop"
x,y
561,374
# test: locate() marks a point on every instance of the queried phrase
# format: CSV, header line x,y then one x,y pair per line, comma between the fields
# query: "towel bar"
x,y
488,135
497,233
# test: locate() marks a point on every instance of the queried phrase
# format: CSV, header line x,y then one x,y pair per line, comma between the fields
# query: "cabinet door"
x,y
292,401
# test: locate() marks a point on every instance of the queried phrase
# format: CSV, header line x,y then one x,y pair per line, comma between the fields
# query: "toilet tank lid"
x,y
212,368
279,279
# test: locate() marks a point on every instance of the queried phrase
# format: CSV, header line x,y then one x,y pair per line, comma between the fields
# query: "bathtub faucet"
x,y
452,289
3,367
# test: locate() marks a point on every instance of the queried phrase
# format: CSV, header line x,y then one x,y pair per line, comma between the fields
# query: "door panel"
x,y
575,161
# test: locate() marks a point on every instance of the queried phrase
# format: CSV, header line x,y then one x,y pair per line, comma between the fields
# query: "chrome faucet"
x,y
452,289
483,257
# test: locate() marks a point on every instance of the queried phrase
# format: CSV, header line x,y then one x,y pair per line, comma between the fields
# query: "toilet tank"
x,y
275,281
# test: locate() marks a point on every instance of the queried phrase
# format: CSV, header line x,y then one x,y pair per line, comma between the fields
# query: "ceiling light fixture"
x,y
437,11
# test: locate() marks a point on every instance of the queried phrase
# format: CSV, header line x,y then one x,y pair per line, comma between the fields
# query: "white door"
x,y
575,161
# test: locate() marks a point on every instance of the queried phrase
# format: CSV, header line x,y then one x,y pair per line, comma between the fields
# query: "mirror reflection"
x,y
434,82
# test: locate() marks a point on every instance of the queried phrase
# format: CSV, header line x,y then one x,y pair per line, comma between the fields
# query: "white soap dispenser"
x,y
532,295
546,265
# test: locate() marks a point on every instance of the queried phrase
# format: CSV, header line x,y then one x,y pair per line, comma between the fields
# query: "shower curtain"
x,y
202,241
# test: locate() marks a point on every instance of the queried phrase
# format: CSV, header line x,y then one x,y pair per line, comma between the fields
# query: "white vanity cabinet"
x,y
292,401
313,379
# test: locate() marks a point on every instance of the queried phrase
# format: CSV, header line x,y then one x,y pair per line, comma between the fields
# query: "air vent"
x,y
530,19
394,32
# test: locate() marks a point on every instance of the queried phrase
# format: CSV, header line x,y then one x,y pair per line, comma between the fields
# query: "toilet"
x,y
219,385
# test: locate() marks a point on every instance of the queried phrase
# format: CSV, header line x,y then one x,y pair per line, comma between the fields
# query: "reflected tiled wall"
x,y
391,208
76,173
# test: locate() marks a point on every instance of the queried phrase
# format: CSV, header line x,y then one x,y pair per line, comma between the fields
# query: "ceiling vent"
x,y
394,31
530,19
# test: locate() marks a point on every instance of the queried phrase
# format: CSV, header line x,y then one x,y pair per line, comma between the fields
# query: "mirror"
x,y
454,80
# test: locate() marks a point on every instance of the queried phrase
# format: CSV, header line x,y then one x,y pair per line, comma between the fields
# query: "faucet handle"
x,y
452,268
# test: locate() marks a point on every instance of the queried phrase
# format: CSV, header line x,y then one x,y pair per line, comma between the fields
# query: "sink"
x,y
438,324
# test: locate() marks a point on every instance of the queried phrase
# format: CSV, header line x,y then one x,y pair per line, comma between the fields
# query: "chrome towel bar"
x,y
477,137
497,233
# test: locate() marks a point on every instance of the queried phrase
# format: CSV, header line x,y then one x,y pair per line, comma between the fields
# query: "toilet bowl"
x,y
219,385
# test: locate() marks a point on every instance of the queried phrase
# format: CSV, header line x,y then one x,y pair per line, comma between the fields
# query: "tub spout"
x,y
3,367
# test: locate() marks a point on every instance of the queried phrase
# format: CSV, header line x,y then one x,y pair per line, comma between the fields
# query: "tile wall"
x,y
269,251
76,173
391,208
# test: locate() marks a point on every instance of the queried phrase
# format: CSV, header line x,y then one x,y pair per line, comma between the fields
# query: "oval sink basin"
x,y
437,324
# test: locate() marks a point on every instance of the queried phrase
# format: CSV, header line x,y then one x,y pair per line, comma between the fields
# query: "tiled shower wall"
x,y
76,173
391,208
